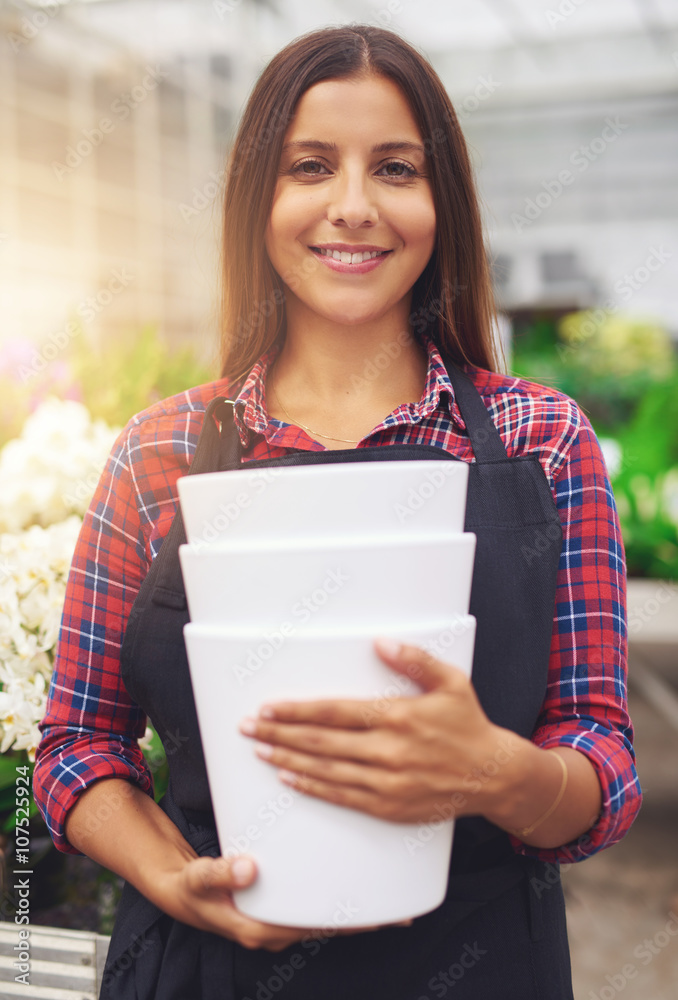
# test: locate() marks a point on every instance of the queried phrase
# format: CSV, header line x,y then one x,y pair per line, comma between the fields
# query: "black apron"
x,y
500,932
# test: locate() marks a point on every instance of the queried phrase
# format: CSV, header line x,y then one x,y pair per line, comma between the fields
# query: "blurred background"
x,y
116,117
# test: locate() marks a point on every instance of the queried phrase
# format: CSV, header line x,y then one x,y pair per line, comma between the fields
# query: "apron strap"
x,y
485,439
169,587
206,457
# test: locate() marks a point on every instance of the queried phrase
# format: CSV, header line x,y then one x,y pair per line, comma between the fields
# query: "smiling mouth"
x,y
349,258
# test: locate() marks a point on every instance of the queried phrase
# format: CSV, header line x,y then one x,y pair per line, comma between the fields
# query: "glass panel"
x,y
172,108
41,73
40,139
115,164
44,220
117,234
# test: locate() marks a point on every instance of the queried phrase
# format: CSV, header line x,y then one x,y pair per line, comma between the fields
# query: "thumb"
x,y
226,873
429,672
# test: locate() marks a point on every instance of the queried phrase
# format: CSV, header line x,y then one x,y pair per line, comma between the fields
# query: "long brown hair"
x,y
452,298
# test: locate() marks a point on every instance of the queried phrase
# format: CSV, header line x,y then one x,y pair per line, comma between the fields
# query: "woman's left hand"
x,y
404,759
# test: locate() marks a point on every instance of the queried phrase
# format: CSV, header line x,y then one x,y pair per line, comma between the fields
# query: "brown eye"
x,y
398,169
300,168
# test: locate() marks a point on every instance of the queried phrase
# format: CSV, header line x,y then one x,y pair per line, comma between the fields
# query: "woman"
x,y
356,296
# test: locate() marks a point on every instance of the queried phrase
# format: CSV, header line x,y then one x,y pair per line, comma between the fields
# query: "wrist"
x,y
507,796
154,871
545,797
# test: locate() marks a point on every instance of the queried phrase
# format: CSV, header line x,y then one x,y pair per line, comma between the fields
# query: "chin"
x,y
354,317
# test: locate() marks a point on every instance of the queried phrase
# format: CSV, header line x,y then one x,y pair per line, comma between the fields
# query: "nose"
x,y
352,200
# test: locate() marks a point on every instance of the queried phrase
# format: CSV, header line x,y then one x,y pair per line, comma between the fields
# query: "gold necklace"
x,y
328,437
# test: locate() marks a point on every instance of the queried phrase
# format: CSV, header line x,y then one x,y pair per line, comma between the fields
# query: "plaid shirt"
x,y
91,726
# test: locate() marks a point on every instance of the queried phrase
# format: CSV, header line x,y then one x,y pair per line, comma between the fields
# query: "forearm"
x,y
529,784
122,828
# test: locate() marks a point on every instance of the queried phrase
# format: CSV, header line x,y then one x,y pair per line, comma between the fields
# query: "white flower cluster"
x,y
52,469
47,478
33,571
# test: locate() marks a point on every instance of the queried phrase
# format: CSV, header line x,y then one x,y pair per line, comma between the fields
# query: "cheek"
x,y
422,229
425,225
283,231
417,224
279,221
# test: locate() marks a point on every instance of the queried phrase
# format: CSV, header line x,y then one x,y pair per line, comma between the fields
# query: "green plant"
x,y
154,752
622,372
604,360
129,375
115,380
647,483
9,761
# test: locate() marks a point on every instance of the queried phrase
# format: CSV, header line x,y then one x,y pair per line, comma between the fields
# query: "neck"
x,y
342,380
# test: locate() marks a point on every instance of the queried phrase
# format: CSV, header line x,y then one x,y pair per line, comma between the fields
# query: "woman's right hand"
x,y
200,894
113,813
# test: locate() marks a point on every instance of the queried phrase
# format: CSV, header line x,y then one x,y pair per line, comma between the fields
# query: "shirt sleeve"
x,y
91,726
585,705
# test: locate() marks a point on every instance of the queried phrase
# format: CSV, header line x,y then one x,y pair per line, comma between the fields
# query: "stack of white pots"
x,y
290,575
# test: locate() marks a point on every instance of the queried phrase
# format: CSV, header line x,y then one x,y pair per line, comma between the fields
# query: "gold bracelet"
x,y
526,831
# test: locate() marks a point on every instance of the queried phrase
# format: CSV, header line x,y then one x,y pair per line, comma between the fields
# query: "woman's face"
x,y
353,176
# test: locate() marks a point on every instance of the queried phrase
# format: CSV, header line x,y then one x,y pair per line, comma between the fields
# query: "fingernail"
x,y
242,870
248,726
289,777
266,712
389,647
264,750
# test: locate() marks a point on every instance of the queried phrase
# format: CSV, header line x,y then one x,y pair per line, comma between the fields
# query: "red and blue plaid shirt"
x,y
91,726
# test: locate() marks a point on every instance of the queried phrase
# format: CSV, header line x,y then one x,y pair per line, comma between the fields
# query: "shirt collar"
x,y
251,415
250,410
438,390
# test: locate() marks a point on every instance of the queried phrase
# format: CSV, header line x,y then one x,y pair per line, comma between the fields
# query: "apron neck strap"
x,y
169,588
485,439
208,449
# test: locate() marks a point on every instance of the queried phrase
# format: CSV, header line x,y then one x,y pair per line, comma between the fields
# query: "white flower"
x,y
22,705
51,471
33,572
47,478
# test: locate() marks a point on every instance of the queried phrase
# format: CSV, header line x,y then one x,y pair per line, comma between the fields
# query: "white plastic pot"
x,y
342,500
319,864
333,585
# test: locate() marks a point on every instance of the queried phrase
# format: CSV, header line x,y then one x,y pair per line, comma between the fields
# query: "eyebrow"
x,y
392,145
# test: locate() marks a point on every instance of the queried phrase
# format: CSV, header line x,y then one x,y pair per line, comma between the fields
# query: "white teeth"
x,y
351,258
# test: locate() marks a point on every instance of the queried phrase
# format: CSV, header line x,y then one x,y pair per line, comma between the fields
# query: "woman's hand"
x,y
200,894
113,813
401,759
